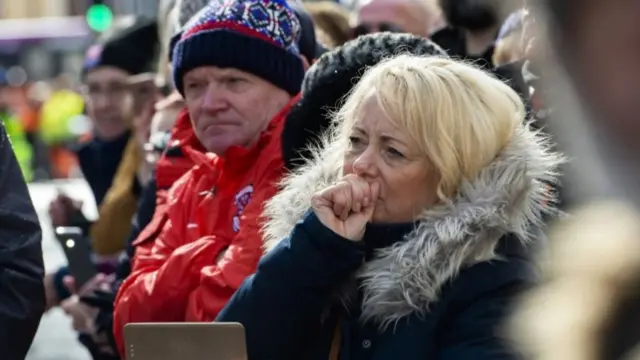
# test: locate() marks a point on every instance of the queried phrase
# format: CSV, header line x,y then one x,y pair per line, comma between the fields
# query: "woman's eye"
x,y
354,141
395,153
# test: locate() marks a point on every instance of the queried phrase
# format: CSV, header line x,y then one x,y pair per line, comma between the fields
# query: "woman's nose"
x,y
365,164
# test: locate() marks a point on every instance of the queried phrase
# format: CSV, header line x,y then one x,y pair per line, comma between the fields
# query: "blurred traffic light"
x,y
99,16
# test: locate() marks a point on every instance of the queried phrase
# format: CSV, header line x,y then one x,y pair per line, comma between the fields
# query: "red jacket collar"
x,y
182,133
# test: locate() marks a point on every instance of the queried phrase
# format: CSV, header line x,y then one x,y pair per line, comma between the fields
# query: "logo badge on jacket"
x,y
241,200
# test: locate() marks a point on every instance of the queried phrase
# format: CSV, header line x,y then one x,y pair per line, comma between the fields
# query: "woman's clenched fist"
x,y
347,206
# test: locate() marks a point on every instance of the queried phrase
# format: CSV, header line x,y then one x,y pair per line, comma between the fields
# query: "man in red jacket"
x,y
238,66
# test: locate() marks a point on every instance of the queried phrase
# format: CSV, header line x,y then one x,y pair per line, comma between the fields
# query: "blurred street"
x,y
55,339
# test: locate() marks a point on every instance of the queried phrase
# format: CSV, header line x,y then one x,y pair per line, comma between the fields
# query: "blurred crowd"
x,y
371,179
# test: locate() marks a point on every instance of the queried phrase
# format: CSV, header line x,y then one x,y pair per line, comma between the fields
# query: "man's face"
x,y
229,107
605,63
107,100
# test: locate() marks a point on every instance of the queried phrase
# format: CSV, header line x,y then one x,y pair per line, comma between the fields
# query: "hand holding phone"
x,y
77,249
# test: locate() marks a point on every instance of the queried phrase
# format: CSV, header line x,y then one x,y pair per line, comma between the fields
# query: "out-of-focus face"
x,y
162,122
393,15
107,101
605,63
229,107
144,95
383,153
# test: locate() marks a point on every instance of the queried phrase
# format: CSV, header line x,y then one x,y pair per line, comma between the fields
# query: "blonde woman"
x,y
405,237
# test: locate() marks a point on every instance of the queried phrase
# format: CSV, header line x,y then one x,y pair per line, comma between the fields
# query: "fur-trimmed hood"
x,y
508,196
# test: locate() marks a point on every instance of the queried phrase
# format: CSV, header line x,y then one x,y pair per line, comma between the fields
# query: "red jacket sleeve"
x,y
162,279
218,281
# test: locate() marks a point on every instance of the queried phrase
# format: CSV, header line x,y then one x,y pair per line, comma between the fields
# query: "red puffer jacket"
x,y
209,239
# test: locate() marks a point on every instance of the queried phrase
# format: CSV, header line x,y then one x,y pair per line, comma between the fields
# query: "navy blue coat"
x,y
22,298
283,306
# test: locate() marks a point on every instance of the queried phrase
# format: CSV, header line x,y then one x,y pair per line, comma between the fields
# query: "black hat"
x,y
332,77
131,45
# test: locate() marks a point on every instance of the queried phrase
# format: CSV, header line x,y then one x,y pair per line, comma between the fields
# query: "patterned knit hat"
x,y
256,36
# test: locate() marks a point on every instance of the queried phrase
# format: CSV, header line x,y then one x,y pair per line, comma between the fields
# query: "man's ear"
x,y
305,63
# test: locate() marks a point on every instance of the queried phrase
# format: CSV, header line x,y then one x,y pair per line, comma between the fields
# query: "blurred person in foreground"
x,y
418,17
109,157
588,308
399,239
189,262
22,298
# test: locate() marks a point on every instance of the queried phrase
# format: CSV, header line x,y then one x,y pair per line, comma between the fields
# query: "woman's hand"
x,y
347,206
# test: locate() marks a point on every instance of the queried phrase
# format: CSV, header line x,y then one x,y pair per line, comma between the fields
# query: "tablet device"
x,y
181,341
77,250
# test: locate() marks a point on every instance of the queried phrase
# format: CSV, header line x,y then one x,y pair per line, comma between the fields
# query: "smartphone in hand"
x,y
77,249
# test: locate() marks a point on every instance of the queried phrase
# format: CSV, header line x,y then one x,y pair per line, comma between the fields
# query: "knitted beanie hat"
x,y
256,36
309,47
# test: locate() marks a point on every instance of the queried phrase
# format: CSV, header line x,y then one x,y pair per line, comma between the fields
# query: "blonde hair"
x,y
460,116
